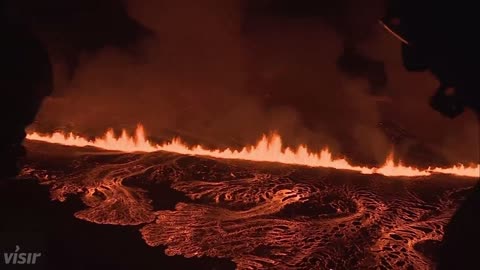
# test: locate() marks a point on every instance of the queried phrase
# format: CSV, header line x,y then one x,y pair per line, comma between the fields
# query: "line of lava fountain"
x,y
268,149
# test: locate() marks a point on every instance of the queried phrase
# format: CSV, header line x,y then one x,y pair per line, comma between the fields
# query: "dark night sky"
x,y
223,72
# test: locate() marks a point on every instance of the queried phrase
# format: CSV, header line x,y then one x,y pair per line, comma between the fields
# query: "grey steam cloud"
x,y
223,72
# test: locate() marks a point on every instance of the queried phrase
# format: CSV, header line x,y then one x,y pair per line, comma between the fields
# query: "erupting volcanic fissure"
x,y
268,149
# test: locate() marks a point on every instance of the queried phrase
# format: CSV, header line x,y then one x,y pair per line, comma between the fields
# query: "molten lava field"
x,y
260,215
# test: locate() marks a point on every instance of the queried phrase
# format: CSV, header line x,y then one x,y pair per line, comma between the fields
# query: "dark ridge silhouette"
x,y
26,79
449,50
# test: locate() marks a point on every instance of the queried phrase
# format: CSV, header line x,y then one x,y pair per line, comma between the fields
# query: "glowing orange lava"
x,y
268,149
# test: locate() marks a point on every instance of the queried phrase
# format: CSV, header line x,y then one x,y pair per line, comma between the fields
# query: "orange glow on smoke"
x,y
268,149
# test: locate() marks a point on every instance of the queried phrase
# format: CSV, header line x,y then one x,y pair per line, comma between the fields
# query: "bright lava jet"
x,y
268,149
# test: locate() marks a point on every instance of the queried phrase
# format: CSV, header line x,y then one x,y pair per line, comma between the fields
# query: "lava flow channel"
x,y
268,149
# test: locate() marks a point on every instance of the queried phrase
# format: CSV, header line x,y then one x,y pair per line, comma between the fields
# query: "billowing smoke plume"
x,y
222,72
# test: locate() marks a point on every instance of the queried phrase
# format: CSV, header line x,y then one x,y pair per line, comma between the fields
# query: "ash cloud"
x,y
222,73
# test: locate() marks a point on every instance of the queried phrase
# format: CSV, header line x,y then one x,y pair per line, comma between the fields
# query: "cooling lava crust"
x,y
257,215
